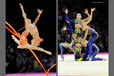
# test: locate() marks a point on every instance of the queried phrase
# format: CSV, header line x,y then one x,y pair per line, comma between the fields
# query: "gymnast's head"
x,y
29,21
78,16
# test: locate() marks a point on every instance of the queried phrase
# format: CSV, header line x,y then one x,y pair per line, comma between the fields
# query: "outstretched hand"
x,y
67,21
66,11
84,43
93,9
64,28
86,11
39,11
21,6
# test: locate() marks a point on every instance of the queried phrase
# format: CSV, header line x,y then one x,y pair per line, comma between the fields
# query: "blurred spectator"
x,y
27,66
37,67
19,61
100,45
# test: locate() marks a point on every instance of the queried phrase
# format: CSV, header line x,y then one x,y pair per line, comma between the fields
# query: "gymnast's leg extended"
x,y
28,46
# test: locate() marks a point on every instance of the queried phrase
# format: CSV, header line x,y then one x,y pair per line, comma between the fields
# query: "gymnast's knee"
x,y
60,44
97,49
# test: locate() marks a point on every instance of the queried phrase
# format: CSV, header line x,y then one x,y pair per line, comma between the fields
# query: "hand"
x,y
67,21
86,11
88,27
39,11
84,43
66,11
64,28
93,9
21,6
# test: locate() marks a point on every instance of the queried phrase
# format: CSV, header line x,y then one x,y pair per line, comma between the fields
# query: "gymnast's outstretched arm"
x,y
71,28
23,12
85,36
92,10
66,11
25,19
84,42
38,17
86,12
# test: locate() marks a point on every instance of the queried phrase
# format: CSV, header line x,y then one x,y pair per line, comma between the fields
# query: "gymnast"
x,y
32,29
91,32
75,40
78,19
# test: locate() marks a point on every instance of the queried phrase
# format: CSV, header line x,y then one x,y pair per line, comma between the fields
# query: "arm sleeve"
x,y
68,19
71,29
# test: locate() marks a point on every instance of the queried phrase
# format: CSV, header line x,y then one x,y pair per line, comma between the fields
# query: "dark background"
x,y
99,21
46,26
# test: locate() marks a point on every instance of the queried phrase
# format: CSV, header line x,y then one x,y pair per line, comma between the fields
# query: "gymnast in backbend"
x,y
33,30
91,32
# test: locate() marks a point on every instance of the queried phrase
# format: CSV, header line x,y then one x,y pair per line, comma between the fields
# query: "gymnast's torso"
x,y
34,33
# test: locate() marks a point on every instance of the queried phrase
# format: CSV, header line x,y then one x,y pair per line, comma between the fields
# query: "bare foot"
x,y
62,58
104,59
12,36
48,52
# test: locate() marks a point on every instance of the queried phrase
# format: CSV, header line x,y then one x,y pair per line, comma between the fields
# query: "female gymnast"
x,y
32,29
75,40
91,32
77,29
78,19
80,57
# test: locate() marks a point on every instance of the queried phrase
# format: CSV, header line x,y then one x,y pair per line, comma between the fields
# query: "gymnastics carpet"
x,y
32,74
70,67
